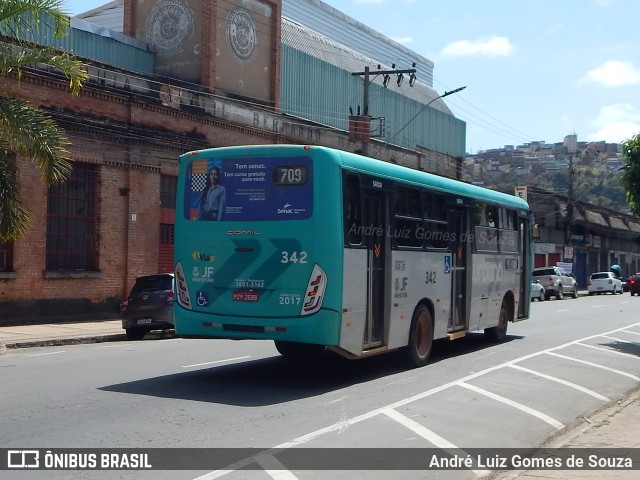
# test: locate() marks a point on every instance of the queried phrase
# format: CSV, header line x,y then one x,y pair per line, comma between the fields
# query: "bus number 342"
x,y
293,257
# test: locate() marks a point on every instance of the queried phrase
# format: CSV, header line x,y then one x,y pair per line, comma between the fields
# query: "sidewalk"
x,y
38,335
614,426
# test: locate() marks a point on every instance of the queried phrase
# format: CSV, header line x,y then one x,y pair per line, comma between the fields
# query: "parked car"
x,y
625,284
604,282
537,291
633,284
149,306
556,282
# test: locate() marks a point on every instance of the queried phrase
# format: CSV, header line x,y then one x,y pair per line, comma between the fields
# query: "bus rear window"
x,y
248,189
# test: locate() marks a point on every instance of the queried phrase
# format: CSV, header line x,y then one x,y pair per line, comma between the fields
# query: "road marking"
x,y
629,331
608,350
343,424
531,411
48,353
216,361
617,339
421,430
274,468
427,434
563,382
597,365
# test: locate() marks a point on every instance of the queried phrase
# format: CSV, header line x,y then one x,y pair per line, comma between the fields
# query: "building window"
x,y
6,256
168,187
71,221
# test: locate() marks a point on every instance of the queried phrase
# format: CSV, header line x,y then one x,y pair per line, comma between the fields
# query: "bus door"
x,y
459,268
375,217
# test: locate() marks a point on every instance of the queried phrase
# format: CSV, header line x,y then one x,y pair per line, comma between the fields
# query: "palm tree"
x,y
24,129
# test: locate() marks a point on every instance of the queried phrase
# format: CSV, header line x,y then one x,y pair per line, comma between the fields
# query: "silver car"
x,y
537,291
604,282
149,306
556,282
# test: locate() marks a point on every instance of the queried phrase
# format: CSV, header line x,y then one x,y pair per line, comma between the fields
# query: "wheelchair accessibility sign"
x,y
447,264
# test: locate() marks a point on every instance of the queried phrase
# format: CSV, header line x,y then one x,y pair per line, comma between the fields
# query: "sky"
x,y
533,71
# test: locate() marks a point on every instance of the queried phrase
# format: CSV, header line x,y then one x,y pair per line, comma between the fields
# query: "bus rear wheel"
x,y
499,332
420,337
298,351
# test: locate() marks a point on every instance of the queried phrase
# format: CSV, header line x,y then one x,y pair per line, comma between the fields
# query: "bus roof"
x,y
377,167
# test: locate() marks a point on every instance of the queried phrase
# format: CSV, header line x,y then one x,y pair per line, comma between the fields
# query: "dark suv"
x,y
149,306
633,284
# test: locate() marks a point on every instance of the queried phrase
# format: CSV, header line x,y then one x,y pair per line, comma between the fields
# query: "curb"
x,y
115,337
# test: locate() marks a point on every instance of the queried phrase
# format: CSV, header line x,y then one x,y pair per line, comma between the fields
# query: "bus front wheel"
x,y
420,337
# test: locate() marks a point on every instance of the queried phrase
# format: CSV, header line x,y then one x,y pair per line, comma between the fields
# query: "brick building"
x,y
152,97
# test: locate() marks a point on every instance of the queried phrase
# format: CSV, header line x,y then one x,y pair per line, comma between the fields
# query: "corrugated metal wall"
x,y
91,42
319,91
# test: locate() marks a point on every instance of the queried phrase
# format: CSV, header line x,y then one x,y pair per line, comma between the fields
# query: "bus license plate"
x,y
142,321
245,296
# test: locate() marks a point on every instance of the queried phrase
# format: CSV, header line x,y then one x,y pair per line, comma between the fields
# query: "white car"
x,y
537,291
604,282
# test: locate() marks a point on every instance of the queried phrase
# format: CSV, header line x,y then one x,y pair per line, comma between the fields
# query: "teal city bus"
x,y
318,248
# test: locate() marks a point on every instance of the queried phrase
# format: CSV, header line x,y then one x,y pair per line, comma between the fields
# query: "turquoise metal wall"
x,y
316,90
104,46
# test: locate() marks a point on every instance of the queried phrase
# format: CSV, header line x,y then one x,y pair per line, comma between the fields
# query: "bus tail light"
x,y
315,291
181,286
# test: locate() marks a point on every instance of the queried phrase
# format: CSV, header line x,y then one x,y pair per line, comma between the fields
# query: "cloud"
x,y
484,46
613,74
616,123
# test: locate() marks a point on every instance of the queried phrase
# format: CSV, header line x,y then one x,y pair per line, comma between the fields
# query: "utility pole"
x,y
363,122
569,219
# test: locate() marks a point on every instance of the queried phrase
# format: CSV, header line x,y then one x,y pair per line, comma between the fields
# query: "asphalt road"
x,y
569,359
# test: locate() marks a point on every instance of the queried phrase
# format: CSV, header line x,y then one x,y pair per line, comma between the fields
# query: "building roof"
x,y
323,48
110,15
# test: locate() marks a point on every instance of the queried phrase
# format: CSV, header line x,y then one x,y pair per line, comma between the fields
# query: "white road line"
x,y
597,365
531,411
216,361
608,350
616,339
344,424
563,382
421,430
274,468
630,331
427,434
43,354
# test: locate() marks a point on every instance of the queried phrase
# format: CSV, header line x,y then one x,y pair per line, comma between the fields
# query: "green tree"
x,y
631,174
24,129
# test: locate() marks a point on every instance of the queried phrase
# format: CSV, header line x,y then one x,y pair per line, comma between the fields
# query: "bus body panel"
x,y
275,265
354,300
254,273
419,276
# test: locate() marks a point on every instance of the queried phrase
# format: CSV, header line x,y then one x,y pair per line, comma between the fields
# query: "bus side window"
x,y
436,228
352,211
509,239
408,217
485,227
